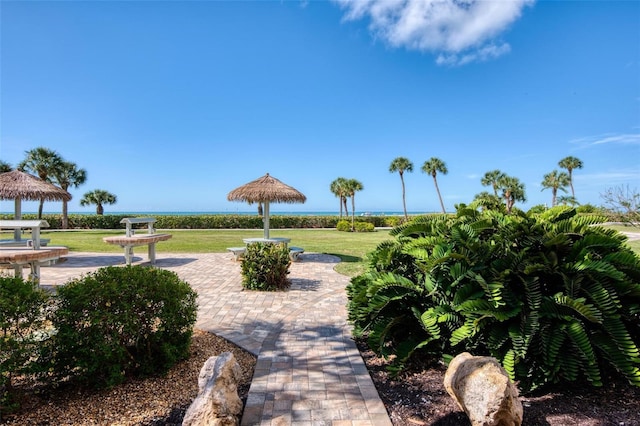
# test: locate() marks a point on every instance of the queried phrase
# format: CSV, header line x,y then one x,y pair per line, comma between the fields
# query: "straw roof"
x,y
20,185
266,188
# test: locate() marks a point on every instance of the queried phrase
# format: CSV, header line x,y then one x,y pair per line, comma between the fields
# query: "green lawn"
x,y
351,247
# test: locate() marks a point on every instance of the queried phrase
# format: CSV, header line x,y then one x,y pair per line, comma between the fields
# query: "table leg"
x,y
35,273
128,254
152,253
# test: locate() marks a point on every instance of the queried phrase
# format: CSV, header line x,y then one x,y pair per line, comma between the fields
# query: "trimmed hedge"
x,y
204,221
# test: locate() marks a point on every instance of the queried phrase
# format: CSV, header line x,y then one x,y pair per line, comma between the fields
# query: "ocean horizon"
x,y
243,213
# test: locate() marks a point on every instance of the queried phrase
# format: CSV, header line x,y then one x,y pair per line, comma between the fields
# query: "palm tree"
x,y
353,185
401,165
432,167
555,180
512,191
338,188
42,162
98,197
567,200
5,167
68,174
491,179
571,163
487,201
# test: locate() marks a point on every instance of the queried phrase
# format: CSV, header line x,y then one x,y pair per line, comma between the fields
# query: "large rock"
x,y
217,402
482,389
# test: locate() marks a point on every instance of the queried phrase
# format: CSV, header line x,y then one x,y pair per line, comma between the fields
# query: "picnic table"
x,y
294,252
131,239
18,225
17,257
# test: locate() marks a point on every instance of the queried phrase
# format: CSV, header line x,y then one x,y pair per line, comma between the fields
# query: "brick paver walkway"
x,y
309,371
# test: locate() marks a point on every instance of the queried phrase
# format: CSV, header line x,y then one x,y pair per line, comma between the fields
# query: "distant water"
x,y
253,212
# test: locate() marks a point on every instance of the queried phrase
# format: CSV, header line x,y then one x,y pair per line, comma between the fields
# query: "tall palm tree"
x,y
401,165
491,179
68,174
98,197
338,188
42,162
512,191
432,167
5,167
571,163
555,180
352,186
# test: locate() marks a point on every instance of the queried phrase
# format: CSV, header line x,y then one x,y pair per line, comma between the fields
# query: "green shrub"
x,y
265,266
344,226
22,315
364,227
119,322
537,209
552,297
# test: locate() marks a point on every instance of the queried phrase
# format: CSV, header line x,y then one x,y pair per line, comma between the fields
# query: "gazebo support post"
x,y
265,219
17,233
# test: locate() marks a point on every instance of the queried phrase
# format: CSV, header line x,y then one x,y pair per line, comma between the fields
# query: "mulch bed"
x,y
418,397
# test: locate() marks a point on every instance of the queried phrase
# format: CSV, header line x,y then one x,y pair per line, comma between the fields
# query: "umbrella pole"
x,y
17,234
265,219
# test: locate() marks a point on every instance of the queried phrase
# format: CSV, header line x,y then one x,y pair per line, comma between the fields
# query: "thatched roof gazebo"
x,y
17,185
265,190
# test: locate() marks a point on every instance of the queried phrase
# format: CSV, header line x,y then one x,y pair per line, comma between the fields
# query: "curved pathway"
x,y
309,370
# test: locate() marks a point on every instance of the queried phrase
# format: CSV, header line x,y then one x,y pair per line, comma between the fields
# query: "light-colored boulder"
x,y
217,403
483,390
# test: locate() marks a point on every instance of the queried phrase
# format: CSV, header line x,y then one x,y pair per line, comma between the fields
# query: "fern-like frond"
x,y
587,311
581,341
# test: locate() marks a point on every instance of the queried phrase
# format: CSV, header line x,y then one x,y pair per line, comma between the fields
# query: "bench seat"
x,y
128,243
238,252
295,252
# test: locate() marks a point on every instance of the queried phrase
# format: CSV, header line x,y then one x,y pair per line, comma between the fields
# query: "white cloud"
x,y
610,177
461,31
624,139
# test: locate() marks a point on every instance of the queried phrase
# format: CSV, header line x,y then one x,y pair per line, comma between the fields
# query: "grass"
x,y
351,247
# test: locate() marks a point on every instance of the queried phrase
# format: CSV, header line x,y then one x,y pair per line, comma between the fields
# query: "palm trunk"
x,y
554,193
404,201
435,181
65,216
346,210
99,209
40,208
353,213
573,194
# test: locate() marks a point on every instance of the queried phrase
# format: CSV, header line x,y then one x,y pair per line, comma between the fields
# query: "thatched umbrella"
x,y
265,190
18,186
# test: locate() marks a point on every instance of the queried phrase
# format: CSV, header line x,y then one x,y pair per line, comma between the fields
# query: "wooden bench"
x,y
238,252
131,240
294,253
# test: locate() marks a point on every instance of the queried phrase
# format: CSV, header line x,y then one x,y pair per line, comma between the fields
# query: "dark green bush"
x,y
119,322
552,297
265,266
22,314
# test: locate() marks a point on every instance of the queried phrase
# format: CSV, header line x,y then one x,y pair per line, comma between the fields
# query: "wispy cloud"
x,y
460,31
610,177
625,139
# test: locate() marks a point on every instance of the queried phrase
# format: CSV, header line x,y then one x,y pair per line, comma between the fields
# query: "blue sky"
x,y
170,105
